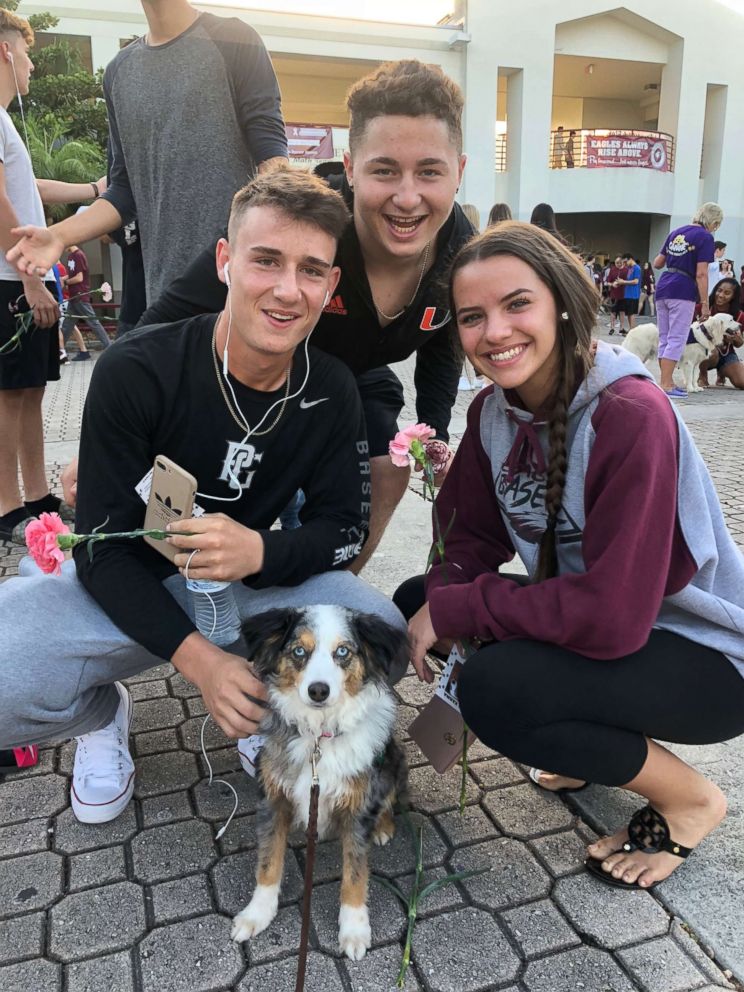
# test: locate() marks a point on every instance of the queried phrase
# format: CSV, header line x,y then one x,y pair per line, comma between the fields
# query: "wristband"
x,y
96,191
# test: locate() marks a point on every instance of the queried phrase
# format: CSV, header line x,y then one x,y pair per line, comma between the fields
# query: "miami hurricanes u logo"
x,y
427,321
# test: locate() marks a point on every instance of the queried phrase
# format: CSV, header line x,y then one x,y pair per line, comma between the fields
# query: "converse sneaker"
x,y
103,774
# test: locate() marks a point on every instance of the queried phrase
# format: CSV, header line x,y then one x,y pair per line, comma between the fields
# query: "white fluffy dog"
x,y
704,336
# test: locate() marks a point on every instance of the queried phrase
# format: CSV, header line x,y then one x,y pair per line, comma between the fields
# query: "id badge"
x,y
249,749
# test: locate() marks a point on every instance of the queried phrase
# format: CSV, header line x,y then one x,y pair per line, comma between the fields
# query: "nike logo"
x,y
306,404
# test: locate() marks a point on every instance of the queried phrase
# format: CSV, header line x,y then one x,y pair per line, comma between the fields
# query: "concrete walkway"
x,y
143,904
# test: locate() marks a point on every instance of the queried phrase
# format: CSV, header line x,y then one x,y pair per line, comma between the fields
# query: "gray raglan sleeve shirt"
x,y
255,94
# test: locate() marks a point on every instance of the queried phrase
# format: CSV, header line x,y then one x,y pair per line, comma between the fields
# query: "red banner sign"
x,y
612,151
310,140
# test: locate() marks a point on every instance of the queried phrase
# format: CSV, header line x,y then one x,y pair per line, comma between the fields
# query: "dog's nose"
x,y
319,691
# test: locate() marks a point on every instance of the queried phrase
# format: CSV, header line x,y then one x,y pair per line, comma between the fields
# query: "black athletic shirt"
x,y
156,393
349,327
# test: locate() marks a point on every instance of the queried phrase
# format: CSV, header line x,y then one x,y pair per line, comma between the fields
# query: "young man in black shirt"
x,y
402,172
241,402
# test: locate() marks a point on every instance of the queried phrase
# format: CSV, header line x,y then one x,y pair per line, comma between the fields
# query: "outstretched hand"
x,y
37,250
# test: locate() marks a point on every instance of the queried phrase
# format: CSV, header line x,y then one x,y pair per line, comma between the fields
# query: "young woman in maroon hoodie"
x,y
629,626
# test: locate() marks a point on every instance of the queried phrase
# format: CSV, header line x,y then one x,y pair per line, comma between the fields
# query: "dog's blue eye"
x,y
298,652
342,652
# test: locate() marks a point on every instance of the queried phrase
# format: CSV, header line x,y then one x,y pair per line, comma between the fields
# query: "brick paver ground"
x,y
143,904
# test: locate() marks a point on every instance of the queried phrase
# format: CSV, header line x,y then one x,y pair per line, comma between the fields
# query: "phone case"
x,y
171,498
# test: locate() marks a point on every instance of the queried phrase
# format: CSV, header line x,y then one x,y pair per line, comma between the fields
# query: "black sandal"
x,y
648,832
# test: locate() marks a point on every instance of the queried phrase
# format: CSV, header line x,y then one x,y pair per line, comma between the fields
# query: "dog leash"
x,y
312,836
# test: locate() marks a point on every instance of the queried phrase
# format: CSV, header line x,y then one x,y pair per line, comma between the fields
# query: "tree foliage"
x,y
63,96
69,161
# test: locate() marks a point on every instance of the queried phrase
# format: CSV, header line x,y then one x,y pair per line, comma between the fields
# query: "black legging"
x,y
549,707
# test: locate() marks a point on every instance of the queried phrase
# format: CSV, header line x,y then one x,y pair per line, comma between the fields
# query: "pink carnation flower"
x,y
107,293
400,446
41,540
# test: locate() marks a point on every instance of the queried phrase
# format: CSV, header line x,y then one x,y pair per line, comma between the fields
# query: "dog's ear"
x,y
266,634
384,647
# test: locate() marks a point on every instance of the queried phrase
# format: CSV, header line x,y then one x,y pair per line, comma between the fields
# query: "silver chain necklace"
x,y
387,316
240,420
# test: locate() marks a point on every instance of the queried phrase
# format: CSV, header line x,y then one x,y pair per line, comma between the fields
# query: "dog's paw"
x,y
354,933
384,830
383,835
257,915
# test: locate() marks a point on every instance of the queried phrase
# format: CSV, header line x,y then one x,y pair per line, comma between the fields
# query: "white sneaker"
x,y
103,774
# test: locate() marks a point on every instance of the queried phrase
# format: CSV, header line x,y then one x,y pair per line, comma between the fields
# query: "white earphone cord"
x,y
20,100
204,722
252,430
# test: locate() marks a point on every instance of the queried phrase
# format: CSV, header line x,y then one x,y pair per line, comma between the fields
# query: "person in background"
x,y
686,253
499,212
63,293
473,215
589,266
617,294
648,287
727,268
569,151
725,298
543,216
79,305
714,269
631,283
559,147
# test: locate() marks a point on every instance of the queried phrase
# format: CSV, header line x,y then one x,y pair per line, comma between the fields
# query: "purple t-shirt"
x,y
683,249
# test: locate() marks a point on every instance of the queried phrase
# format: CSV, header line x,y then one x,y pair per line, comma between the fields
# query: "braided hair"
x,y
577,302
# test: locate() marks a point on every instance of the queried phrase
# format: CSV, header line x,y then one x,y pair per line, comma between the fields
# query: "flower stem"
x,y
464,778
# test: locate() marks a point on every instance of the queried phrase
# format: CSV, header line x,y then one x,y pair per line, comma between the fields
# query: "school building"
x,y
623,117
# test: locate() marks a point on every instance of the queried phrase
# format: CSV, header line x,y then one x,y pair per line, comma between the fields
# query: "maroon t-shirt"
x,y
77,263
617,272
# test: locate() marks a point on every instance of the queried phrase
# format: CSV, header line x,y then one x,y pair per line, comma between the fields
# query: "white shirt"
x,y
20,186
714,275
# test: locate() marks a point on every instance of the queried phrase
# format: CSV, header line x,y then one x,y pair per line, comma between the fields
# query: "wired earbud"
x,y
226,272
327,299
10,58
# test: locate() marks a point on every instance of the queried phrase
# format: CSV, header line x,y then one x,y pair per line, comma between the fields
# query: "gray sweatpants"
x,y
79,309
60,653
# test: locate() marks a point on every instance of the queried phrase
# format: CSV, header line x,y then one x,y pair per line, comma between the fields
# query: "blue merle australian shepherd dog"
x,y
327,670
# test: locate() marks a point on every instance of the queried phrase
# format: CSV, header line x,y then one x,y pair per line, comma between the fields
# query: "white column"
x,y
731,177
103,49
479,130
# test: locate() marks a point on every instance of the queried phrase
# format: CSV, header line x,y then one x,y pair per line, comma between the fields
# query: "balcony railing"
x,y
500,156
611,148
